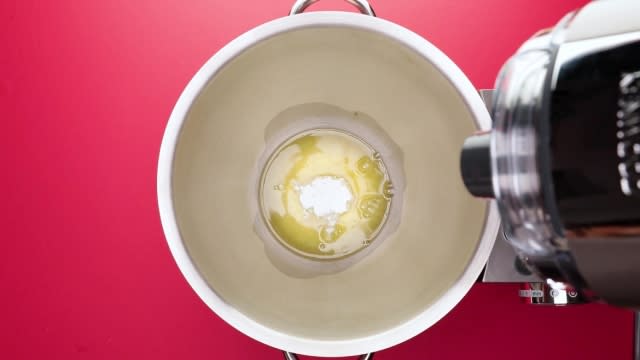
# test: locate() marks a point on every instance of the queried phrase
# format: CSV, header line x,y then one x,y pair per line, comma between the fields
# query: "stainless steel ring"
x,y
292,356
363,5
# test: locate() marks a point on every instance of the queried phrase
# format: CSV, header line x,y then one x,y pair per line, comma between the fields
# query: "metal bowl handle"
x,y
292,356
363,5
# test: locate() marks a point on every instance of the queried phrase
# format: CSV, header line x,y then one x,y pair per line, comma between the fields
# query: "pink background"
x,y
86,88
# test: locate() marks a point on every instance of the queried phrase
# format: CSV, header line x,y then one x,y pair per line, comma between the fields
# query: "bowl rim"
x,y
241,322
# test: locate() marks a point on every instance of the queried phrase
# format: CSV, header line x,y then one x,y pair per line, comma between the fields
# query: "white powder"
x,y
326,197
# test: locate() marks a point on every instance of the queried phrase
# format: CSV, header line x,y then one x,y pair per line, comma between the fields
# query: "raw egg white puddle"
x,y
324,190
325,194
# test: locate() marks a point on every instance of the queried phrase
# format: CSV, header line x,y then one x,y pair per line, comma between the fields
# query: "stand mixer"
x,y
563,161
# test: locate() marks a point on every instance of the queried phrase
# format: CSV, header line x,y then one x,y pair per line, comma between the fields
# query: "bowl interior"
x,y
224,134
